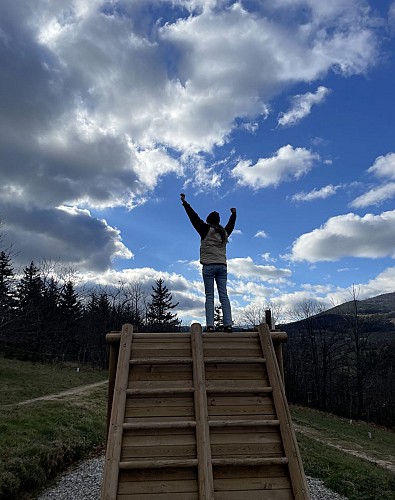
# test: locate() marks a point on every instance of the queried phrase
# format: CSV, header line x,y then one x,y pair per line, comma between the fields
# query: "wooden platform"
x,y
200,416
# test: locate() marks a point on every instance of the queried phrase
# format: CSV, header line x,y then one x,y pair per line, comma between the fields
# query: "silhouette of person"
x,y
214,239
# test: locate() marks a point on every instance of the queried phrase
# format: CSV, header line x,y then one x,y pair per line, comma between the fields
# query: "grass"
x,y
22,380
353,477
40,439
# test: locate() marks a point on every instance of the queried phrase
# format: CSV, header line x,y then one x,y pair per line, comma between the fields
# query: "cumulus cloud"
x,y
244,267
261,234
286,164
375,196
316,194
101,100
66,234
370,236
301,106
383,168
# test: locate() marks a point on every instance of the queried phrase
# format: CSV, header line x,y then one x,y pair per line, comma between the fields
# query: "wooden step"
x,y
159,425
228,360
160,361
243,423
157,464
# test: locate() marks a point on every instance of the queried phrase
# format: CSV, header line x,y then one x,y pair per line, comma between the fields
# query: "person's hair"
x,y
213,219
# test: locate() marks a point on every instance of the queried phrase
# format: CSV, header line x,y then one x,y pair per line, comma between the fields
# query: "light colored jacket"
x,y
212,248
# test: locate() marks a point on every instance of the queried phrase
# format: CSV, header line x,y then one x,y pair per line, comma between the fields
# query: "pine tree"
x,y
31,309
160,318
70,310
7,299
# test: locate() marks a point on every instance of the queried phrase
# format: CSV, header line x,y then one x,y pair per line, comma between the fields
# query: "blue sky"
x,y
282,109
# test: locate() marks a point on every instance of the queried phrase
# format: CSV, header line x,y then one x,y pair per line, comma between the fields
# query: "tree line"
x,y
46,315
342,363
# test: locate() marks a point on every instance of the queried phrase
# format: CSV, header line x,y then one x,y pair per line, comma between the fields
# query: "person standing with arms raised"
x,y
214,239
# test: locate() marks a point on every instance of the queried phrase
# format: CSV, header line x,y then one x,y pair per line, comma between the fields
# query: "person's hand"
x,y
182,196
233,210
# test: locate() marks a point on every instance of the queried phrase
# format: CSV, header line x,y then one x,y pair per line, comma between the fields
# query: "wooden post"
x,y
205,469
268,319
113,454
112,370
295,465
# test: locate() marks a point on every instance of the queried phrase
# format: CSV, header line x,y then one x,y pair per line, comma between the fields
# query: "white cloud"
x,y
267,258
261,234
301,106
244,267
286,164
315,194
383,168
370,236
100,100
67,235
375,196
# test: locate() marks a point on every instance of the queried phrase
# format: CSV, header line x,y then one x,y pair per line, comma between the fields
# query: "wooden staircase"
x,y
200,417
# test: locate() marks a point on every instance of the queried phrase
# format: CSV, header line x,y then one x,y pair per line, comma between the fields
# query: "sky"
x,y
284,110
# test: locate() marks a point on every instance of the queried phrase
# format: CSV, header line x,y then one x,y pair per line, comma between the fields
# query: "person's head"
x,y
213,218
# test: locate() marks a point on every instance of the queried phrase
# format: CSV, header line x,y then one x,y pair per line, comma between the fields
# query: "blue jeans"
x,y
219,273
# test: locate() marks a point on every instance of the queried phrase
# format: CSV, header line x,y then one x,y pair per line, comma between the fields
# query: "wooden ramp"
x,y
200,417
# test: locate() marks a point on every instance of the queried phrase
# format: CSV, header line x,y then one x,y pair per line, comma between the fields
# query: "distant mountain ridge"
x,y
380,304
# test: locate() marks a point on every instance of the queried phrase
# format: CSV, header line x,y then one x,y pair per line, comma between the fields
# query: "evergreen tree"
x,y
31,311
70,311
7,299
159,317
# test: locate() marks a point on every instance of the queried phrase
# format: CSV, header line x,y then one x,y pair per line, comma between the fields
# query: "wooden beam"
x,y
295,465
203,447
113,454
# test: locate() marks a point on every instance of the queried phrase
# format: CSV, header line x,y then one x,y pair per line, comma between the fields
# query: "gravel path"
x,y
83,483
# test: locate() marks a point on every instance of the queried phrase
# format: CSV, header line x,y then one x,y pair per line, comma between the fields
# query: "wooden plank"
x,y
224,462
158,452
237,390
110,478
159,425
157,487
298,479
233,359
157,464
251,450
205,470
261,483
159,411
145,358
160,439
163,474
159,384
169,400
255,495
243,437
243,423
154,391
160,496
255,471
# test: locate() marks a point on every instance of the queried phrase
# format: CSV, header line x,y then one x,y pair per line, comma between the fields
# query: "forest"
x,y
343,360
46,315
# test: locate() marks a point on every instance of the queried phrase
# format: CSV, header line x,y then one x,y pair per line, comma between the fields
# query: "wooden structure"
x,y
200,416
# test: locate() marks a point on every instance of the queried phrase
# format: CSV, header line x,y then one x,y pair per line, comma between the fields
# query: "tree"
x,y
7,299
31,309
159,317
70,311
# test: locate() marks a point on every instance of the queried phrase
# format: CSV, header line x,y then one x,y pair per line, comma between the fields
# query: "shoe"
x,y
228,329
210,329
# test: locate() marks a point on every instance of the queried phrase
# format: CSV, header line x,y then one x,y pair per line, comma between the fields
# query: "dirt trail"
x,y
313,434
59,395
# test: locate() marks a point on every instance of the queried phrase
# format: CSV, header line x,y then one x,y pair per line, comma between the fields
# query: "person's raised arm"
x,y
200,226
231,223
